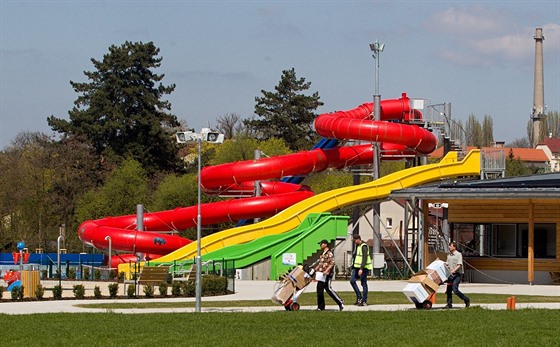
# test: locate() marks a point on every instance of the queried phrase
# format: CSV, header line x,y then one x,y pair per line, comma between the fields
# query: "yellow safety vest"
x,y
358,259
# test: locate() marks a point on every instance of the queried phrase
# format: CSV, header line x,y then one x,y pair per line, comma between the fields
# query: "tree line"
x,y
117,149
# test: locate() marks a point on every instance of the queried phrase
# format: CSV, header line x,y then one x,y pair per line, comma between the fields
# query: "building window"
x,y
505,240
389,223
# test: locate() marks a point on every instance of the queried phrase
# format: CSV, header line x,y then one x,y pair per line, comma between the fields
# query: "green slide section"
x,y
301,242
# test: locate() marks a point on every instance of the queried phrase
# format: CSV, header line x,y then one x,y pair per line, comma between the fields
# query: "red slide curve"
x,y
397,137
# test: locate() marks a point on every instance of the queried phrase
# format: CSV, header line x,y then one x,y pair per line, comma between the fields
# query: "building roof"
x,y
553,143
545,186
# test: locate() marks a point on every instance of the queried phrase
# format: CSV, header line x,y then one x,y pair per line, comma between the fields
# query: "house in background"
x,y
551,147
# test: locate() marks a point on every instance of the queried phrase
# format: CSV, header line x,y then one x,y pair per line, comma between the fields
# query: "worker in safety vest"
x,y
361,268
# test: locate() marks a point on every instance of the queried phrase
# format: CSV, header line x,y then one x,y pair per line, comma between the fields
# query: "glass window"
x,y
504,240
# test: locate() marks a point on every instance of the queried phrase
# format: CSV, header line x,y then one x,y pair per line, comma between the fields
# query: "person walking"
x,y
324,271
455,265
361,267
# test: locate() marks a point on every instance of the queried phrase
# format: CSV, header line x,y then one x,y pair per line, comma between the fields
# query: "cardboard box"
x,y
284,292
438,271
423,279
299,277
416,293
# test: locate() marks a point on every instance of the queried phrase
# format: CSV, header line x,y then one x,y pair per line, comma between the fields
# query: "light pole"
x,y
188,137
58,242
376,48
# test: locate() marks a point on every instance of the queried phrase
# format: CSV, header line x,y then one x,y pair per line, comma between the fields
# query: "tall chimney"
x,y
538,93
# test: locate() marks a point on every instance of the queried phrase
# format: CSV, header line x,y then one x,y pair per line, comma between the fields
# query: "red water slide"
x,y
394,131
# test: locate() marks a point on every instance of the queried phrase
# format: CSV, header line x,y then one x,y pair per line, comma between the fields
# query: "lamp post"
x,y
189,137
198,233
376,48
58,242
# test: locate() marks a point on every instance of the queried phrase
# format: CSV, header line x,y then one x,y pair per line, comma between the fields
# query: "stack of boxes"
x,y
297,279
424,283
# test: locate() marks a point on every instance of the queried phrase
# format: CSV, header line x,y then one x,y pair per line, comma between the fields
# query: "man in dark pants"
x,y
455,264
326,267
361,267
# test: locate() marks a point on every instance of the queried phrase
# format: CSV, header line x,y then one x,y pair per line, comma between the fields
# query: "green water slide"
x,y
300,243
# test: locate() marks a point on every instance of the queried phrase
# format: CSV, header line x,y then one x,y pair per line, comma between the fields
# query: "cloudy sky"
x,y
476,55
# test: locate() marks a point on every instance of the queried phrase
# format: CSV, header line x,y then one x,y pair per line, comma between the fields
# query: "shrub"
x,y
131,291
57,292
121,275
189,288
112,274
17,293
97,292
72,273
79,291
1,291
113,290
176,289
86,273
44,273
148,290
97,274
39,292
214,285
163,289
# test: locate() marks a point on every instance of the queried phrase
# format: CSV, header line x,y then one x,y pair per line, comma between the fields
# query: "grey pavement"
x,y
263,290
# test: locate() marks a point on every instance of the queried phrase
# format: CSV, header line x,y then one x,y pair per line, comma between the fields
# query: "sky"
x,y
476,55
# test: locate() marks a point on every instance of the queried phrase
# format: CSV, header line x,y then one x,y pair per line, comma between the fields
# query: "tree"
x,y
40,183
120,111
125,187
473,131
243,148
231,124
287,113
515,166
487,131
522,142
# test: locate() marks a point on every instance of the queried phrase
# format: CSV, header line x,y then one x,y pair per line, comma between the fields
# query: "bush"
x,y
189,288
17,293
97,292
39,292
97,274
121,276
112,274
57,292
86,273
214,285
72,273
44,274
1,291
163,289
79,291
113,290
148,290
176,289
131,291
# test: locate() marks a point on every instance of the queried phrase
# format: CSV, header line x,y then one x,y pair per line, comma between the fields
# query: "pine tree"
x,y
120,110
287,113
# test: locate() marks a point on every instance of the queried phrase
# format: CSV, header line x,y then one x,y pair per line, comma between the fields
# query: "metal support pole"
x,y
108,239
198,233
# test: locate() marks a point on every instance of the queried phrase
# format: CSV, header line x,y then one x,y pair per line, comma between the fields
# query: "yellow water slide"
x,y
333,200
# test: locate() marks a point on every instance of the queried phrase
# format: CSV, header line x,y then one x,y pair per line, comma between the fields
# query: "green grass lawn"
x,y
309,299
472,327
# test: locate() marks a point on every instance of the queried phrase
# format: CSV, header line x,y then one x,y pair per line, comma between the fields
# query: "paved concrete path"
x,y
263,290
